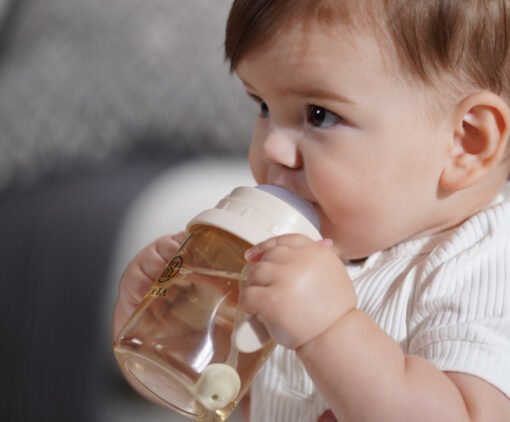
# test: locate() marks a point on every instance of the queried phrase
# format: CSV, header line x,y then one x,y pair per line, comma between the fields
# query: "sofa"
x,y
118,121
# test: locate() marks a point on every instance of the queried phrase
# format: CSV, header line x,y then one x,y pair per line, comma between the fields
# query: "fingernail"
x,y
249,253
326,242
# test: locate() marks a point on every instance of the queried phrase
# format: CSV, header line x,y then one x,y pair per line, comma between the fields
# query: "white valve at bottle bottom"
x,y
218,385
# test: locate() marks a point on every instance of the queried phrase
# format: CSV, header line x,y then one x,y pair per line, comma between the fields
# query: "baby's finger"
x,y
290,240
260,274
141,273
253,300
326,242
153,259
278,255
167,246
180,237
134,287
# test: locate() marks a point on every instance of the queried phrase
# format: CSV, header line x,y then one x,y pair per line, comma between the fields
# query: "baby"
x,y
392,118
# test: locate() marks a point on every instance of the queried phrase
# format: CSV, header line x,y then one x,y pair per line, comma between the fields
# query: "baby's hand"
x,y
297,288
140,274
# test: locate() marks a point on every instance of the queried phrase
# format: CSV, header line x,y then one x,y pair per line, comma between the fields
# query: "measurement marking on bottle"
x,y
158,291
175,274
171,270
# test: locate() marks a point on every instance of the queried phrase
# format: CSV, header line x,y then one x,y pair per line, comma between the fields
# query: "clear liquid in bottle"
x,y
186,323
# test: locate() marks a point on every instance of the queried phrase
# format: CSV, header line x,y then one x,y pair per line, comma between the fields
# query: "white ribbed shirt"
x,y
445,297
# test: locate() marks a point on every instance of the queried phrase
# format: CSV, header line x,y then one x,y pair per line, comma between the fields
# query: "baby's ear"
x,y
481,131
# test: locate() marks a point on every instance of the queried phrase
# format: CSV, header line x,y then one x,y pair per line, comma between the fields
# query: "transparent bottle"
x,y
188,346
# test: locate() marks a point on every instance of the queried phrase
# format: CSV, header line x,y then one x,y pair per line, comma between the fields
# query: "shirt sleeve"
x,y
460,320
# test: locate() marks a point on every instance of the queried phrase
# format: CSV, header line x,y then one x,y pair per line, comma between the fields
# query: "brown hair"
x,y
468,39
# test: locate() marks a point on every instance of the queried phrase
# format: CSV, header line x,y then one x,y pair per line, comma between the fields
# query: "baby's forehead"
x,y
325,50
343,20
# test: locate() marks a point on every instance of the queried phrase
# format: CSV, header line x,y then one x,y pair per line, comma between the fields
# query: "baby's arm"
x,y
375,380
361,371
140,274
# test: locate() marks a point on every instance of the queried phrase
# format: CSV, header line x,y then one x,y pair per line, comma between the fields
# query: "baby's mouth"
x,y
315,206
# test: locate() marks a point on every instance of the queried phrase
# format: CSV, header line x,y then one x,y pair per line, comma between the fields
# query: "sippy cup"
x,y
188,346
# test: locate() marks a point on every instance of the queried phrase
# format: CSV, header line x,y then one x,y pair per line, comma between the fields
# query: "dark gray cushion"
x,y
4,5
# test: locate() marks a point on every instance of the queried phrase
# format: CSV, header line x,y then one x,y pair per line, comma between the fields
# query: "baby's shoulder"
x,y
483,238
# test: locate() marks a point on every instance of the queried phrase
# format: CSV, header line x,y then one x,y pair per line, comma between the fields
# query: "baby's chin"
x,y
354,259
348,244
358,243
347,254
356,251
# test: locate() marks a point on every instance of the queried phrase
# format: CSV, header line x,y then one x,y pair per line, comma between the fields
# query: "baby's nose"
x,y
281,147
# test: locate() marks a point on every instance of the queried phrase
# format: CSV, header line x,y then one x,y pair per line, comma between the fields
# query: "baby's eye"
x,y
322,118
264,110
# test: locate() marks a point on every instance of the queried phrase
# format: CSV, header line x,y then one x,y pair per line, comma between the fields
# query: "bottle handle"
x,y
250,334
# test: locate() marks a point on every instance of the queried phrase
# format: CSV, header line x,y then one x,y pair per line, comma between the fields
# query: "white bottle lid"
x,y
258,213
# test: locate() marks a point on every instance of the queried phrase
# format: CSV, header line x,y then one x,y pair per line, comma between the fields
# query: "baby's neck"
x,y
461,205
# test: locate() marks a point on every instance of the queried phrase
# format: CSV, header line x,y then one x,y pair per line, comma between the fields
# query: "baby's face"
x,y
338,127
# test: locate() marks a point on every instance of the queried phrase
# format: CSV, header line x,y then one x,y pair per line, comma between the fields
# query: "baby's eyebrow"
x,y
306,91
249,90
321,93
247,86
254,97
